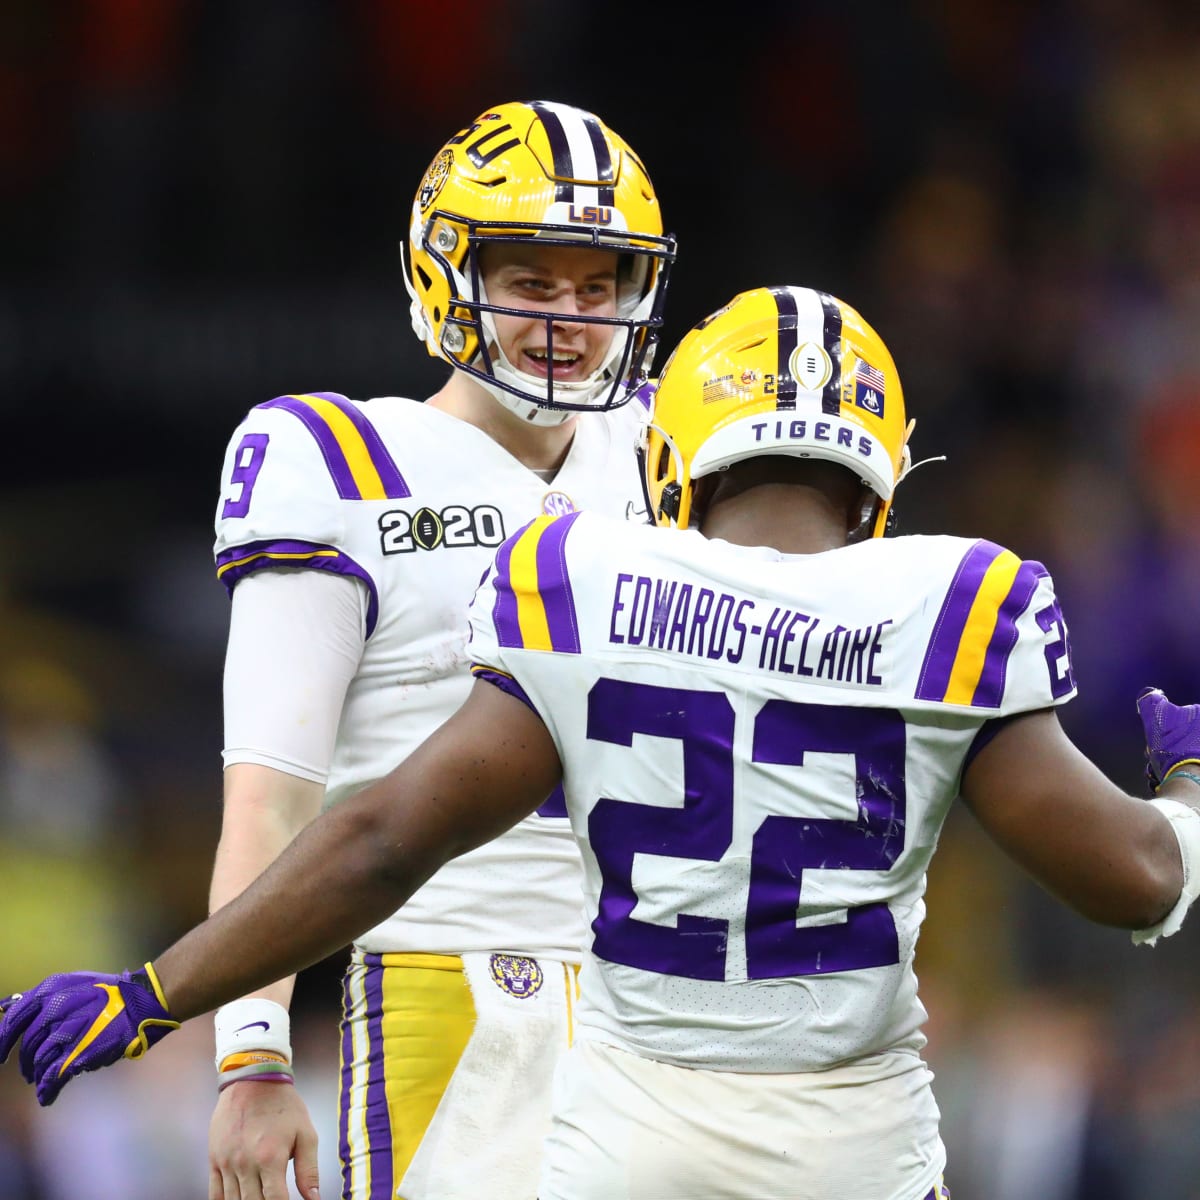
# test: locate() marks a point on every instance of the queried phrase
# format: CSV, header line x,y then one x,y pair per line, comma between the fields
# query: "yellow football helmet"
x,y
779,370
556,173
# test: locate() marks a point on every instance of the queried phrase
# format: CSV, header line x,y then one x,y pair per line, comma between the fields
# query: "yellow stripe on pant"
x,y
408,1021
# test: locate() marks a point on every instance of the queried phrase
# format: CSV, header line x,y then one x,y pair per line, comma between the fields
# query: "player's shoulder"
x,y
992,634
351,449
937,561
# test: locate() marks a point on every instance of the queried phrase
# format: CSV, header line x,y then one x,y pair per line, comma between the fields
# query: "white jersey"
x,y
412,503
758,755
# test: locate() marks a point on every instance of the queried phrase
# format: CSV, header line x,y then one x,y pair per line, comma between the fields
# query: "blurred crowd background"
x,y
200,206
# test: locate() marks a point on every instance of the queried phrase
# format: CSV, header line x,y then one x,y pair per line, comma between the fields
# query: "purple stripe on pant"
x,y
377,1121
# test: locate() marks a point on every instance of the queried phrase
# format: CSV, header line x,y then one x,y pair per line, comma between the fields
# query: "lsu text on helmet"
x,y
556,173
777,370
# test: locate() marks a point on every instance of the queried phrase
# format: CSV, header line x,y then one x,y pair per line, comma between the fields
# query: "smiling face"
x,y
566,281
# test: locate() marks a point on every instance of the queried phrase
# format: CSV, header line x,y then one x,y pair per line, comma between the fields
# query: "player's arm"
x,y
490,765
295,641
264,809
1111,857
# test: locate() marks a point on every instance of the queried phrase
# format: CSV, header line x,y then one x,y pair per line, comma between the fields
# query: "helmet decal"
x,y
435,179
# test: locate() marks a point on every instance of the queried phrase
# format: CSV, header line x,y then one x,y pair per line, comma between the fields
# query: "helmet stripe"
x,y
560,148
785,385
580,151
604,165
831,397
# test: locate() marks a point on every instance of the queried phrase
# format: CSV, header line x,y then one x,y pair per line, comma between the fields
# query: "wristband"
x,y
253,1024
247,1058
1185,825
1177,772
258,1073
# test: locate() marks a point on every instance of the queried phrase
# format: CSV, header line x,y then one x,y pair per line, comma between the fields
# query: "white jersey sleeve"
x,y
759,752
288,469
295,642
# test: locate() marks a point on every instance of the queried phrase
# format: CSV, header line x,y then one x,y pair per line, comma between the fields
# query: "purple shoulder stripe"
x,y
239,561
538,589
554,584
359,463
504,610
952,619
990,690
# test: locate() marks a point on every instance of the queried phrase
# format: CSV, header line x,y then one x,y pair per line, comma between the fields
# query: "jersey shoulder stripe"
x,y
535,607
237,562
358,461
976,629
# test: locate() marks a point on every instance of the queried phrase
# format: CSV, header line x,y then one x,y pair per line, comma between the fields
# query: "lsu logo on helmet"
x,y
801,374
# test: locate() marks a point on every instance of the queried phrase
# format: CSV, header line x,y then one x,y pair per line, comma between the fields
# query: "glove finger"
x,y
64,1017
51,1083
32,1052
16,1013
1149,701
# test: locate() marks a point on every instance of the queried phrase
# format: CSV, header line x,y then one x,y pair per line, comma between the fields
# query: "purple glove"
x,y
1172,734
80,1022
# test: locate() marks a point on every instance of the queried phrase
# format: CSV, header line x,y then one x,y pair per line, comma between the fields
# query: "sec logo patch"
x,y
555,504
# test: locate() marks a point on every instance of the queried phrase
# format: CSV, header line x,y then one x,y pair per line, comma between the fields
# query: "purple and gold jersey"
x,y
759,752
413,503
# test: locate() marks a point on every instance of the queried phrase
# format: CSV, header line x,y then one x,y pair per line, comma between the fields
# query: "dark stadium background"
x,y
200,205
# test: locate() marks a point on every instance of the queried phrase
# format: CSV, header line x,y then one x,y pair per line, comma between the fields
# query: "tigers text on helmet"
x,y
779,370
555,173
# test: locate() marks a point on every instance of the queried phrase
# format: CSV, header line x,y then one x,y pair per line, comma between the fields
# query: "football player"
x,y
351,536
760,716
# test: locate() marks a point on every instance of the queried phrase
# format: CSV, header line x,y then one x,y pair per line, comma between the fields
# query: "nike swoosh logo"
x,y
104,1018
255,1025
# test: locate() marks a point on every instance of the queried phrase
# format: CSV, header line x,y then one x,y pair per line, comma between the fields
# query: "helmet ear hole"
x,y
423,275
664,461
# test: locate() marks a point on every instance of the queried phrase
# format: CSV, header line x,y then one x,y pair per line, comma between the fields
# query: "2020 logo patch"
x,y
426,529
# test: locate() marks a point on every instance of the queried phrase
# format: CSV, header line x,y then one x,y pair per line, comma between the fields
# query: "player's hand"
x,y
256,1129
80,1022
1172,734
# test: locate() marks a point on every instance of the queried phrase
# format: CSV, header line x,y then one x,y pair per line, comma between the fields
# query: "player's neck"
x,y
541,448
788,518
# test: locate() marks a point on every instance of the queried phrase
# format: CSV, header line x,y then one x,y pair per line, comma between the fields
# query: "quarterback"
x,y
760,713
351,536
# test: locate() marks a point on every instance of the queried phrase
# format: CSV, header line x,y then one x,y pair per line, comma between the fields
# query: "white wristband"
x,y
1185,824
253,1024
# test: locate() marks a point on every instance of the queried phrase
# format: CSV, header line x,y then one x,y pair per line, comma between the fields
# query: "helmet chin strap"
x,y
528,409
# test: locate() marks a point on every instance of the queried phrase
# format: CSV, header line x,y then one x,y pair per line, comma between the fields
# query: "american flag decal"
x,y
868,387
